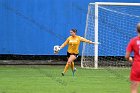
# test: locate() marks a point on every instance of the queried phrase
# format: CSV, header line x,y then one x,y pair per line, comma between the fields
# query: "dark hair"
x,y
74,30
138,27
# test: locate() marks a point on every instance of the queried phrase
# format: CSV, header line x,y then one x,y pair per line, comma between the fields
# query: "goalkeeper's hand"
x,y
95,43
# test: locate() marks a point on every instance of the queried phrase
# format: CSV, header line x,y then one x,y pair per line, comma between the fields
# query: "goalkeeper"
x,y
73,42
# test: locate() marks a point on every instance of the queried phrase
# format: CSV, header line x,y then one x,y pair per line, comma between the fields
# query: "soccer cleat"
x,y
73,72
62,74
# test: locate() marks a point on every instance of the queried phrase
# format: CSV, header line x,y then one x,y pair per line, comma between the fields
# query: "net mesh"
x,y
116,26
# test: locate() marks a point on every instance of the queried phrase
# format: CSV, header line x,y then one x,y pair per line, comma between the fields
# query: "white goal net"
x,y
113,25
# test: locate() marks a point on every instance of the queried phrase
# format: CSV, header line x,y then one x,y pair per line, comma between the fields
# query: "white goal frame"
x,y
97,4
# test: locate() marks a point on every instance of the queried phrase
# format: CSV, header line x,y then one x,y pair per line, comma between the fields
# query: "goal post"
x,y
96,37
107,23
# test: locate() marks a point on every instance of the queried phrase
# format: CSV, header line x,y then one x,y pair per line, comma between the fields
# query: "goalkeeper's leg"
x,y
73,68
70,60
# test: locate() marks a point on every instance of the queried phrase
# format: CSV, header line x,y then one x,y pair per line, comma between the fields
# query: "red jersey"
x,y
134,46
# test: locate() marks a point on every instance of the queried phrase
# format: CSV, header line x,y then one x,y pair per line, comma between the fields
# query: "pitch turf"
x,y
47,79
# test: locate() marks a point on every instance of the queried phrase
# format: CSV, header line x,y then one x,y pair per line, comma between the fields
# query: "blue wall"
x,y
35,26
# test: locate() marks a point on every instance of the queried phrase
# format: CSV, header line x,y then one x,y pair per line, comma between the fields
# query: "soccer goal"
x,y
113,25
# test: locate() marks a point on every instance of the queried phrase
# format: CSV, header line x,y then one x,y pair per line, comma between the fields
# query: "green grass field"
x,y
47,79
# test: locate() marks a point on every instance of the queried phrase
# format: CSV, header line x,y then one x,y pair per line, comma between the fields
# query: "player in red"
x,y
134,46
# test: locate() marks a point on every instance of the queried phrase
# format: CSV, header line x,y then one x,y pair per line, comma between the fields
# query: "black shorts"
x,y
68,54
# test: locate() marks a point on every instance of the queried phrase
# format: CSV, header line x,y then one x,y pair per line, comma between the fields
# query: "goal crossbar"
x,y
116,3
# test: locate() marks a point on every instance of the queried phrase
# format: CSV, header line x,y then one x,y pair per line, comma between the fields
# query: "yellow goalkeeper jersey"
x,y
73,43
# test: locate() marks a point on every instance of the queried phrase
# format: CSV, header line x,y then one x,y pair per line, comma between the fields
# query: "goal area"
x,y
112,25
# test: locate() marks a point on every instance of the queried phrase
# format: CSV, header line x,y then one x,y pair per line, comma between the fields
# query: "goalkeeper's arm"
x,y
63,45
87,41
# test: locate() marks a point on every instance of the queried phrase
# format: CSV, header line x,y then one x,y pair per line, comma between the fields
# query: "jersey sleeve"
x,y
130,46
